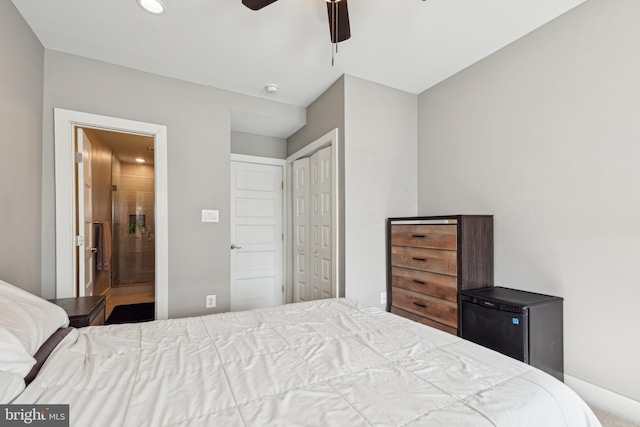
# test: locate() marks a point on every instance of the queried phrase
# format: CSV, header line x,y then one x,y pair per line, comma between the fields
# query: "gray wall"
x,y
258,145
544,134
21,92
323,115
198,122
377,131
380,179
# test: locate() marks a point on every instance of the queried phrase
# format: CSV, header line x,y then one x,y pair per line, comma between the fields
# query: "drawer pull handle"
x,y
419,282
419,259
419,304
419,236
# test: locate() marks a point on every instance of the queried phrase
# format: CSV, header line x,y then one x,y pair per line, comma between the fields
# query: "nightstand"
x,y
83,311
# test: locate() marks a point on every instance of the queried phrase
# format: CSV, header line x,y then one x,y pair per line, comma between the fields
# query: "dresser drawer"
x,y
442,311
434,260
424,321
425,236
437,285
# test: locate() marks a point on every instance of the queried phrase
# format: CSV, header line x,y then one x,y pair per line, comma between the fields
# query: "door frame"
x,y
329,139
270,161
65,124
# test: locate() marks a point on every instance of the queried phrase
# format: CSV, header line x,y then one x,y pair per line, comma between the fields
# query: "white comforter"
x,y
324,363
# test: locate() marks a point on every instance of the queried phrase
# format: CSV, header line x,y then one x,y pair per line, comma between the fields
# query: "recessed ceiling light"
x,y
152,6
139,160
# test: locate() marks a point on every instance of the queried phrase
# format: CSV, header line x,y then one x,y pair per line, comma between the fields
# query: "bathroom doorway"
x,y
124,207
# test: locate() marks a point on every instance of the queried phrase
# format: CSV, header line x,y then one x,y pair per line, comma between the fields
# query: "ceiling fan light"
x,y
155,7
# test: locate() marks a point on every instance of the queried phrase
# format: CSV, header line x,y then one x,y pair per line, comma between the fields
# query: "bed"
x,y
322,363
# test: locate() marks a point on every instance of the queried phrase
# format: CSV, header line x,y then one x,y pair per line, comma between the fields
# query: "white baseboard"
x,y
604,399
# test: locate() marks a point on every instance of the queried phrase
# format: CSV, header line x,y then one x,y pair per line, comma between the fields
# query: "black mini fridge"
x,y
524,325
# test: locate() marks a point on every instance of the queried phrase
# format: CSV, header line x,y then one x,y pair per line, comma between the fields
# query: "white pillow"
x,y
26,322
11,385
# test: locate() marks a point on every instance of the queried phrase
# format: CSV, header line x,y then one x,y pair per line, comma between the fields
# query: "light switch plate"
x,y
210,216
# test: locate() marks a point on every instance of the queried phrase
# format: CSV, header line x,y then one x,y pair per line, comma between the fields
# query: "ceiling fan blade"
x,y
338,21
257,4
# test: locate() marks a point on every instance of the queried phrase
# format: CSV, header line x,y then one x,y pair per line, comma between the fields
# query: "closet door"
x,y
320,220
301,260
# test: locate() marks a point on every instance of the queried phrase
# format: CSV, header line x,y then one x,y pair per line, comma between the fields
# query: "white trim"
x,y
601,398
65,121
259,160
329,139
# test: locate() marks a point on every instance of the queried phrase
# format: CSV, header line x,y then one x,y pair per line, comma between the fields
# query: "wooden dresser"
x,y
431,259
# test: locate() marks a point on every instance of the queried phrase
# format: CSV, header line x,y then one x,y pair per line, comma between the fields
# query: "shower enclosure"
x,y
133,253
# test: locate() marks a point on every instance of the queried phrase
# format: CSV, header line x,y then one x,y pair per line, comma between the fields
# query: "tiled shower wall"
x,y
133,244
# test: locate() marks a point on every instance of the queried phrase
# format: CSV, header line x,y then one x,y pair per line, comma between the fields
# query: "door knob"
x,y
233,246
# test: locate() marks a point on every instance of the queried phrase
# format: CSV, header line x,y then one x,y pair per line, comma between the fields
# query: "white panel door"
x,y
320,195
301,258
85,251
256,236
312,222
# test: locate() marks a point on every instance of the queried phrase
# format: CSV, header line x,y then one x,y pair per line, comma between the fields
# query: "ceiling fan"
x,y
339,28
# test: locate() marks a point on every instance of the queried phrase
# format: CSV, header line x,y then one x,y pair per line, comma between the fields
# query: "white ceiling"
x,y
406,44
127,147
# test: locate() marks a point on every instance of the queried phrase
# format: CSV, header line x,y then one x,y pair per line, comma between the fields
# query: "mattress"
x,y
321,363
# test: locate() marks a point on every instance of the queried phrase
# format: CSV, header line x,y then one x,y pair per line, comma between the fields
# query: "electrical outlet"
x,y
211,301
383,297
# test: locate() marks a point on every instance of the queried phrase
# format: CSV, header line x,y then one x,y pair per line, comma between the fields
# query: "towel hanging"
x,y
103,237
